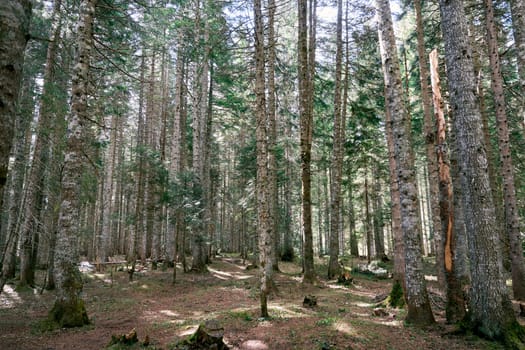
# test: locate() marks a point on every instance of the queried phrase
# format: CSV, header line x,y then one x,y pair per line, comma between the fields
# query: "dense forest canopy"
x,y
174,131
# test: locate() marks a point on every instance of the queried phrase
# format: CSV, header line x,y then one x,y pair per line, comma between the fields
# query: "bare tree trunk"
x,y
337,153
490,310
430,142
69,309
368,223
377,205
399,246
14,33
512,218
419,311
455,309
518,28
264,224
306,74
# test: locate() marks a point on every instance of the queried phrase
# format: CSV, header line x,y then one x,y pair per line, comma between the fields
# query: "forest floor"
x,y
344,318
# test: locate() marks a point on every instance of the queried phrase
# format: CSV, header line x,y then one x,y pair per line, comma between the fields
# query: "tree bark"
x,y
430,142
272,135
305,52
419,311
264,224
512,218
14,33
518,28
334,268
490,310
69,309
455,309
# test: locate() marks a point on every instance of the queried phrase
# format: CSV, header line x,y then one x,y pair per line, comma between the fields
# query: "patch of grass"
x,y
243,315
328,321
44,326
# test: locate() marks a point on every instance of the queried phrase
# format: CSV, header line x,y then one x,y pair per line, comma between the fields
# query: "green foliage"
x,y
396,298
328,321
244,315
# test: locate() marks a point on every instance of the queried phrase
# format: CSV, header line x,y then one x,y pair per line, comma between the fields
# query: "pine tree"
x,y
490,310
419,311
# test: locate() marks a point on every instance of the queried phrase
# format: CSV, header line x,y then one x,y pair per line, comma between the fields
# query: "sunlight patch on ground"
x,y
144,286
228,275
169,313
254,345
336,286
286,312
362,304
345,328
431,278
189,330
9,298
392,323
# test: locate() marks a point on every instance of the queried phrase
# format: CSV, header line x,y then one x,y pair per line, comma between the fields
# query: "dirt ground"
x,y
343,319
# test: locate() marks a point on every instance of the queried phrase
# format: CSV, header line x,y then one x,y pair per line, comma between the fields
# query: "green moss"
x,y
514,337
69,314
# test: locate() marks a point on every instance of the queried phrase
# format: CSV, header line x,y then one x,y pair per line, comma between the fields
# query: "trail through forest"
x,y
345,318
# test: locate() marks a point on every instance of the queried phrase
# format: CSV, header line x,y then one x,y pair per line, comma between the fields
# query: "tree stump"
x,y
310,301
208,336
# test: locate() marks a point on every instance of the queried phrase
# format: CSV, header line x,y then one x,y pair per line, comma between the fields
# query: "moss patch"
x,y
69,314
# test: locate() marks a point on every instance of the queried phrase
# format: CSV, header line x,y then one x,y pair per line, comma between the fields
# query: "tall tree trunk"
x,y
272,134
490,310
288,253
518,28
455,309
430,142
69,309
377,208
507,170
337,153
419,311
138,227
35,188
14,200
397,233
14,33
199,125
306,58
368,223
264,224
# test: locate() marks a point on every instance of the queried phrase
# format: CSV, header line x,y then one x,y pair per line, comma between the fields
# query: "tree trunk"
x,y
399,246
419,312
69,309
377,208
455,309
490,310
14,33
36,179
264,224
507,170
518,28
334,268
306,54
272,134
368,223
430,143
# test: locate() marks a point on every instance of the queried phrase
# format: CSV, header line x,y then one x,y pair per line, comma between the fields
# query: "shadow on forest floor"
x,y
344,318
